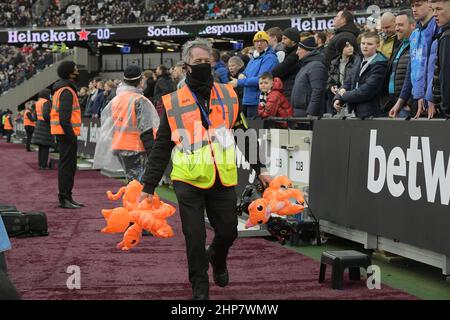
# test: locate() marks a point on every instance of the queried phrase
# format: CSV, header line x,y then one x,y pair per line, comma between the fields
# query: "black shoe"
x,y
220,275
66,204
76,203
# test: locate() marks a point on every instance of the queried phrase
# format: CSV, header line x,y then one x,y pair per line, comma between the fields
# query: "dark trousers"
x,y
132,164
8,135
29,130
43,156
220,205
67,166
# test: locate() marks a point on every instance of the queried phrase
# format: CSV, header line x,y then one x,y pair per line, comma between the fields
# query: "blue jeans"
x,y
252,111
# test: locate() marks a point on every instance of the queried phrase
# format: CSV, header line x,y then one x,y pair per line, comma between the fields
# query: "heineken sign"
x,y
47,36
165,31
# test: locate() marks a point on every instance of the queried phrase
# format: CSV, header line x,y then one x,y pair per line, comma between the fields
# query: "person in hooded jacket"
x,y
308,94
344,28
272,102
342,68
42,137
264,60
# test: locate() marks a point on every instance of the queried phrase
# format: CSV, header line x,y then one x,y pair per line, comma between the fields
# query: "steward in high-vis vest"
x,y
42,136
128,125
65,124
197,125
8,127
29,122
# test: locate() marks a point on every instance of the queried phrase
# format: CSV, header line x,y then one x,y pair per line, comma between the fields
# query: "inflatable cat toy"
x,y
276,199
150,216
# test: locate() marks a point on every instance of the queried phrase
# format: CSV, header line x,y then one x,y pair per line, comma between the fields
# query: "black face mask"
x,y
201,72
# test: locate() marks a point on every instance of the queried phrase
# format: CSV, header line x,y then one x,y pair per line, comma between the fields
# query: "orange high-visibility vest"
x,y
126,133
40,109
26,121
197,155
55,125
8,124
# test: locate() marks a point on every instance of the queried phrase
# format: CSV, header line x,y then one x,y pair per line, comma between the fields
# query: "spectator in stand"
x,y
97,104
264,60
219,68
308,93
163,86
109,93
344,28
83,97
247,54
420,52
275,37
179,75
389,42
362,93
92,96
398,65
149,83
441,81
321,40
272,102
236,67
342,69
288,69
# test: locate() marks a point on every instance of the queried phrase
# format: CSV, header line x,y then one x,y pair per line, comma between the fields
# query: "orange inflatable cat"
x,y
151,216
130,195
276,199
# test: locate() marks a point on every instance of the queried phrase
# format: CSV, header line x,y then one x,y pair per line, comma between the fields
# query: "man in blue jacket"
x,y
264,60
421,54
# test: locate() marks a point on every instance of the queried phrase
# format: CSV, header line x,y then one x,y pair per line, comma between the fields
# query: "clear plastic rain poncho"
x,y
146,117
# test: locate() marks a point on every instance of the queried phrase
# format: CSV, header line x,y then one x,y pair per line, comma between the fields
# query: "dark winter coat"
x,y
287,70
334,71
308,93
363,92
42,135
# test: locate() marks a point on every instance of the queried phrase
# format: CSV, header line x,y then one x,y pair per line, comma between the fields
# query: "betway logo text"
x,y
246,27
396,164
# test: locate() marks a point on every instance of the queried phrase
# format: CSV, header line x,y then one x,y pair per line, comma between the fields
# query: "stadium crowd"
x,y
399,69
18,64
20,13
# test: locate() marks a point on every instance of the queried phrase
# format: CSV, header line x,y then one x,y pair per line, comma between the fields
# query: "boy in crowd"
x,y
361,95
272,102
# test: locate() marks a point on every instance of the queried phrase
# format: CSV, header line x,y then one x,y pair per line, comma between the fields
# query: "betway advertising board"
x,y
163,31
388,178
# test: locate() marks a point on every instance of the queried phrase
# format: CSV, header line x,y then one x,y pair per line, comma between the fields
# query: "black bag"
x,y
251,193
23,225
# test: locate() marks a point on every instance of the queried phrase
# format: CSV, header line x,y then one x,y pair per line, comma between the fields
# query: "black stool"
x,y
341,260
